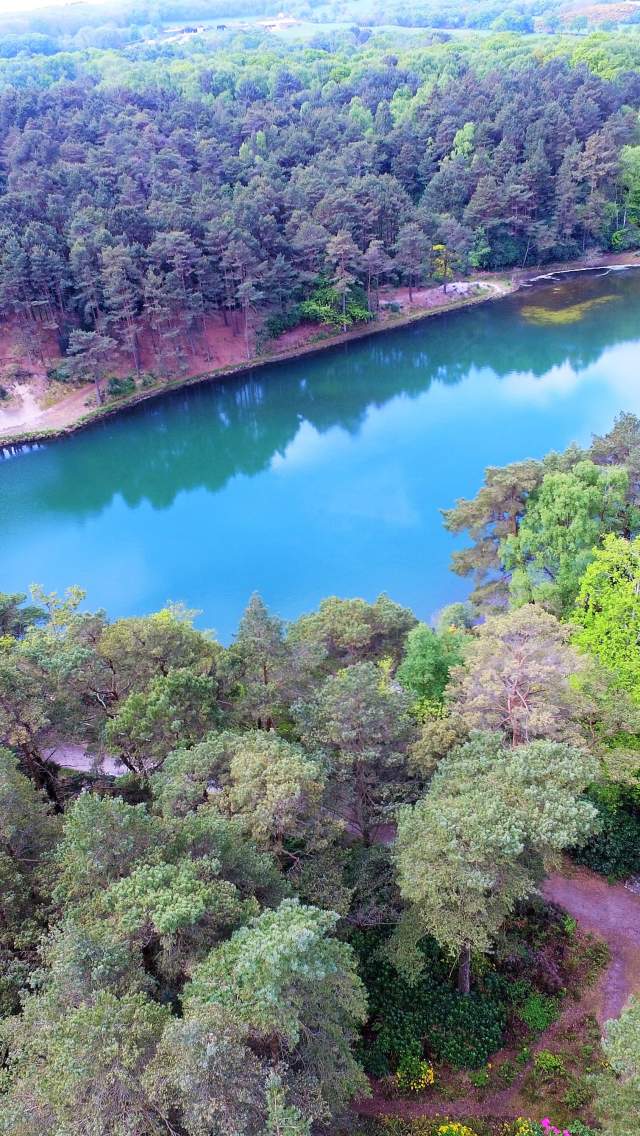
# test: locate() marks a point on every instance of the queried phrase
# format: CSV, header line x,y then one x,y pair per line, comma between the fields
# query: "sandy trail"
x,y
612,912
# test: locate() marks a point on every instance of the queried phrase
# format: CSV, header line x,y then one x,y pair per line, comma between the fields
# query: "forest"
x,y
314,856
144,189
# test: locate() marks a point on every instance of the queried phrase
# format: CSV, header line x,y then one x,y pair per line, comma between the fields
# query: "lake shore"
x,y
37,423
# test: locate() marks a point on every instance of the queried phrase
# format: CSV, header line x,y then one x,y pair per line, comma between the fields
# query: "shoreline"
x,y
14,443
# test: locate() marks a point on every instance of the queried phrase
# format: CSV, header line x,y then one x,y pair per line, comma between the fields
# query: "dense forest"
x,y
143,189
320,853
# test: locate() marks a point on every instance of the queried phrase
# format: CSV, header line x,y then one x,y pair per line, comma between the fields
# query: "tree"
x,y
177,707
285,981
260,661
15,617
377,264
93,1078
411,254
429,657
344,257
474,845
516,678
28,834
563,522
275,787
607,610
494,514
362,721
352,631
90,355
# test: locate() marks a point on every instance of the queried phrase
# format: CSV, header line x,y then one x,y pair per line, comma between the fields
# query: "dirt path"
x,y
611,912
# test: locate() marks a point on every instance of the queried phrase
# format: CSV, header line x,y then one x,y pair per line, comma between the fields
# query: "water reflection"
x,y
322,475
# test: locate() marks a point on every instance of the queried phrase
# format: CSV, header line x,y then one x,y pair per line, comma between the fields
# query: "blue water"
x,y
324,475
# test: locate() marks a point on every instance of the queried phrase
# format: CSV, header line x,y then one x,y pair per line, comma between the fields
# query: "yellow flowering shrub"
x,y
414,1075
454,1128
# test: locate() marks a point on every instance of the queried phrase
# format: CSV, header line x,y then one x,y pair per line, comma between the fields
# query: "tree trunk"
x,y
464,970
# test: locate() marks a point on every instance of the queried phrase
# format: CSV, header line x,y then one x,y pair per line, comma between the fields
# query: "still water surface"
x,y
323,475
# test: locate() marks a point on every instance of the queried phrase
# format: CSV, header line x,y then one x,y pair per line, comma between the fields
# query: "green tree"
x,y
412,254
90,356
607,610
285,980
93,1077
563,522
429,657
345,258
477,842
177,707
362,722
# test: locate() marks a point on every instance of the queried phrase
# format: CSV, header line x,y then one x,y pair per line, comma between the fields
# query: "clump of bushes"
x,y
276,325
463,1031
325,306
615,850
538,1011
117,388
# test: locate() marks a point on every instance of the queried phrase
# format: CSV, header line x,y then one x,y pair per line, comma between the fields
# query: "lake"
x,y
324,475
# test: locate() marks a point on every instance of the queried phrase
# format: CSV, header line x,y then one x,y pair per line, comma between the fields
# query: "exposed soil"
x,y
612,912
36,405
609,911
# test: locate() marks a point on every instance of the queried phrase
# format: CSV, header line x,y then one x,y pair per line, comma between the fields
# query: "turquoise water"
x,y
324,475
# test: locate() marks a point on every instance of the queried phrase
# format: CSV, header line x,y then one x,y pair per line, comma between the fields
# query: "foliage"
x,y
466,852
607,610
614,849
538,1012
429,657
516,678
408,1017
325,306
413,1075
564,520
117,388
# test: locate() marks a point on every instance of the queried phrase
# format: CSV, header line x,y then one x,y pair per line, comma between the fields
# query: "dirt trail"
x,y
611,912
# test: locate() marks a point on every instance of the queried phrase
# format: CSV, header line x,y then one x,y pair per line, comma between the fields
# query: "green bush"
x,y
277,324
429,1015
116,388
548,1065
324,305
4,393
538,1012
60,374
615,850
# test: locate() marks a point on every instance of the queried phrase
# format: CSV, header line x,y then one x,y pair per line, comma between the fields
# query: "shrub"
x,y
324,305
60,374
454,1128
548,1065
280,322
615,850
117,388
538,1012
4,393
413,1074
430,1014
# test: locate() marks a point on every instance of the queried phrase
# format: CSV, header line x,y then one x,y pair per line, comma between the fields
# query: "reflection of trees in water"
x,y
204,436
